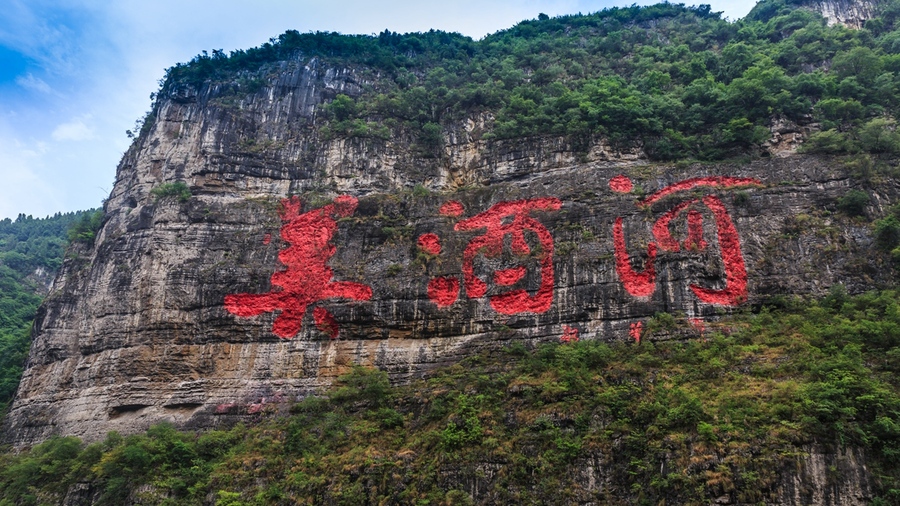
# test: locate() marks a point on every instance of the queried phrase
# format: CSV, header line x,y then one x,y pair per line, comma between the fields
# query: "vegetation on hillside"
x,y
27,245
681,82
682,422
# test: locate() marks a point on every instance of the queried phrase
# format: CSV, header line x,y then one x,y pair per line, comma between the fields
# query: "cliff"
x,y
291,211
849,13
167,317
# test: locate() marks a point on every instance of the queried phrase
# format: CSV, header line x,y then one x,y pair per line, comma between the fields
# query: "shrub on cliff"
x,y
853,203
887,230
176,190
85,229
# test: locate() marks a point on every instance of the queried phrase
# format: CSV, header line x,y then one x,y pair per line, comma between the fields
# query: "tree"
x,y
342,108
879,135
860,62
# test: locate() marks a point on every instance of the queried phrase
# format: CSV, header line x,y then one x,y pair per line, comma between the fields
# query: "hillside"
x,y
31,251
644,256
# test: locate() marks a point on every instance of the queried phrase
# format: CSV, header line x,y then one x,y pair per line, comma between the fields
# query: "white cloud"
x,y
74,130
29,81
22,189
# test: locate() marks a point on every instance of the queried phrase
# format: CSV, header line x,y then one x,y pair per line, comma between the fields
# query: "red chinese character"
x,y
570,335
307,279
643,284
503,219
635,331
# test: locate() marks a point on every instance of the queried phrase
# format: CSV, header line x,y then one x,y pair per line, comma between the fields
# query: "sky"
x,y
76,74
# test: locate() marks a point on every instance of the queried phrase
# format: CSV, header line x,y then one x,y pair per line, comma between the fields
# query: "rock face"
x,y
816,476
850,13
828,478
297,255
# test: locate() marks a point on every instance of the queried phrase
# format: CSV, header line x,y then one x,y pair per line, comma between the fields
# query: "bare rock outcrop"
x,y
849,13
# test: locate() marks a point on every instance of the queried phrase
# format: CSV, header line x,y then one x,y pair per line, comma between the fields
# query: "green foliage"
x,y
28,246
728,412
464,428
342,112
85,229
341,108
363,385
853,203
177,190
721,415
879,135
829,141
43,470
837,112
860,62
431,136
143,124
887,230
678,81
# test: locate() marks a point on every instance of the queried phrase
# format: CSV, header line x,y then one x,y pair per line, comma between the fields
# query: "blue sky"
x,y
75,74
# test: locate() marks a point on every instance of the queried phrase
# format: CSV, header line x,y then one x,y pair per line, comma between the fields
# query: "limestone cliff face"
x,y
850,13
175,314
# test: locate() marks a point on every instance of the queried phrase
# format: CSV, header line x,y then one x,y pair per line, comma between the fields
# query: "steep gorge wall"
x,y
394,257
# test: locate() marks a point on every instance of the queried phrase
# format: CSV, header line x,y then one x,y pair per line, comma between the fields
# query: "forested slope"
x,y
680,82
31,250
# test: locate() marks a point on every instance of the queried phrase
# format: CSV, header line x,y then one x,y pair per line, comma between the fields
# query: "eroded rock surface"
x,y
850,13
137,331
